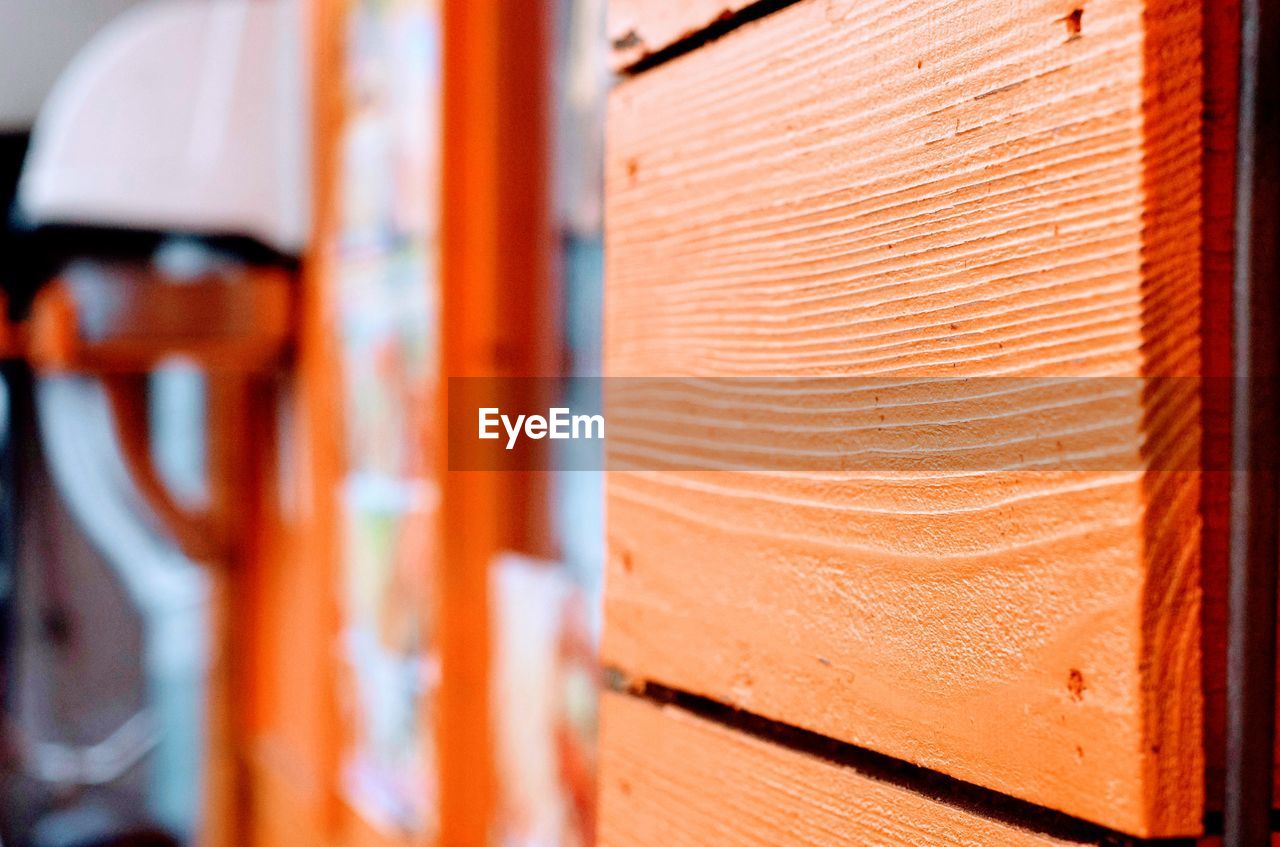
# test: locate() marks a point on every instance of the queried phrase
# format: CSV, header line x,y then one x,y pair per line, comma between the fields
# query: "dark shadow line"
x,y
711,32
939,787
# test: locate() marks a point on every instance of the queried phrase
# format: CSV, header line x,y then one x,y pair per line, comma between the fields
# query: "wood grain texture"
x,y
916,187
674,779
640,28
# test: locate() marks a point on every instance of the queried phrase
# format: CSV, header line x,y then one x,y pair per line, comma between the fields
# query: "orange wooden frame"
x,y
499,317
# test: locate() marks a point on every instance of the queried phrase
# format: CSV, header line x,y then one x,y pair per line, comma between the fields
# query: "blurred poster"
x,y
386,314
544,690
388,774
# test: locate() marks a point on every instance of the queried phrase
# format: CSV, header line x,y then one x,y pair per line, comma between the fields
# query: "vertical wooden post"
x,y
498,320
317,359
239,410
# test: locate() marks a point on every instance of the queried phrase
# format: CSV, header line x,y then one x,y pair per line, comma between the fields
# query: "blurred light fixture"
x,y
179,116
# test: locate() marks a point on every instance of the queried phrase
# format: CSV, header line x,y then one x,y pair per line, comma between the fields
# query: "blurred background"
x,y
243,599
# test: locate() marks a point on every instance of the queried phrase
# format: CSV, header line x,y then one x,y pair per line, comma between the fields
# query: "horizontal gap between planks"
x,y
711,32
939,787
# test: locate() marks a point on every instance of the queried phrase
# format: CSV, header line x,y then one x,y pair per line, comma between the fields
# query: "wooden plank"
x,y
285,806
669,777
640,28
288,621
494,240
925,188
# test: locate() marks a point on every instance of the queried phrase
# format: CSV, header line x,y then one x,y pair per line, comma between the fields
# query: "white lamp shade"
x,y
180,115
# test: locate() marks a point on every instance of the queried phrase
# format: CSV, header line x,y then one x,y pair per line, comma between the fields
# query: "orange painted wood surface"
x,y
498,319
672,778
285,808
495,240
640,28
125,320
290,713
289,611
914,187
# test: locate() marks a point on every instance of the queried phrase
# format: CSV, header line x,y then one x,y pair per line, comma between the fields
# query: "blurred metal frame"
x,y
1255,492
